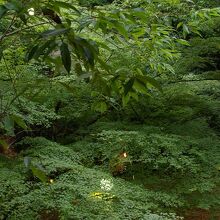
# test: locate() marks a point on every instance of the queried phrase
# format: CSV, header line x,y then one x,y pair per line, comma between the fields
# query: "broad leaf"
x,y
8,124
146,79
68,87
128,86
19,121
100,107
54,32
3,11
1,53
126,99
185,30
39,173
183,42
48,46
14,5
78,69
66,56
31,53
121,29
141,87
104,65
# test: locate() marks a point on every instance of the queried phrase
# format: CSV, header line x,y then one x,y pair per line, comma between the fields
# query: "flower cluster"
x,y
106,184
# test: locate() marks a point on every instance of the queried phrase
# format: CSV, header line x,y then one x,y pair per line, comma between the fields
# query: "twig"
x,y
21,29
8,28
13,85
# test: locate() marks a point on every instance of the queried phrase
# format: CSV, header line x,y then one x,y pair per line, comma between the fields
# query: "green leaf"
x,y
66,56
8,124
39,173
3,11
19,121
54,32
147,79
48,46
103,107
23,18
126,99
1,53
134,95
100,107
121,29
31,53
139,13
14,5
128,86
196,31
90,50
185,30
89,55
68,88
179,25
183,42
78,69
87,50
85,76
104,46
122,70
141,87
104,65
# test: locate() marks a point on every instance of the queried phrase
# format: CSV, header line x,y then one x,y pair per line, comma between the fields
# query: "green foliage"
x,y
157,160
65,40
92,3
131,87
75,191
203,56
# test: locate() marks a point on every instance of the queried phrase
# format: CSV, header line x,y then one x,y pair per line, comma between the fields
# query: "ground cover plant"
x,y
109,109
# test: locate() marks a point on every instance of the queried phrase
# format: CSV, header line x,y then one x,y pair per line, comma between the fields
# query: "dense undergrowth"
x,y
75,193
70,149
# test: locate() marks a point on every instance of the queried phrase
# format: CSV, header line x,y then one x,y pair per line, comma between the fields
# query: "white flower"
x,y
125,154
106,184
31,11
